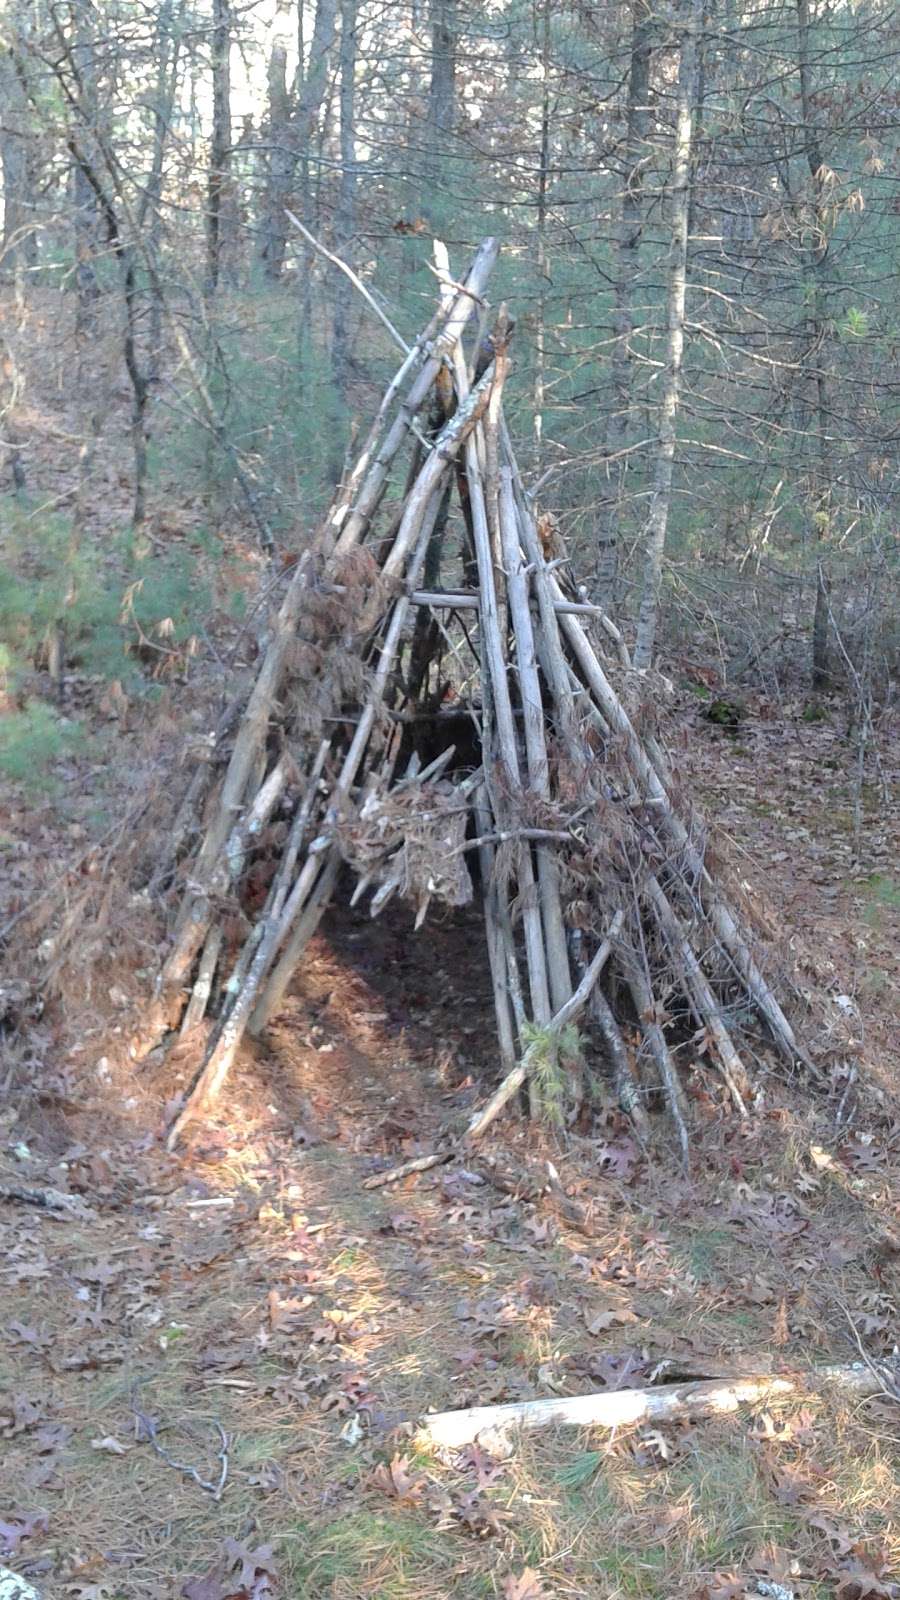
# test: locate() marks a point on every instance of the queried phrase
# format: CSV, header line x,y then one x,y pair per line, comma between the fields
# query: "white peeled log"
x,y
12,1587
673,1402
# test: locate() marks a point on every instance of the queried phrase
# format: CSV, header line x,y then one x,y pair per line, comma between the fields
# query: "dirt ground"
x,y
212,1364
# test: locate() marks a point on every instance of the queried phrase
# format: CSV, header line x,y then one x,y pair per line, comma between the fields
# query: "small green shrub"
x,y
549,1054
30,740
813,711
105,603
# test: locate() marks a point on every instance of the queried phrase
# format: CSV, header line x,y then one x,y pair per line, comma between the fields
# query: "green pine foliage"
x,y
551,1053
31,739
117,612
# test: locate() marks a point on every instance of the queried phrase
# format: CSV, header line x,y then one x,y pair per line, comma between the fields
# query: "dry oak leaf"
x,y
527,1586
21,1526
604,1320
395,1479
239,1574
859,1582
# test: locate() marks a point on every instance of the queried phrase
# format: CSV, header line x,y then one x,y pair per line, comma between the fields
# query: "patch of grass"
x,y
642,1573
581,1470
344,1261
732,1512
704,1254
254,1449
882,891
392,1555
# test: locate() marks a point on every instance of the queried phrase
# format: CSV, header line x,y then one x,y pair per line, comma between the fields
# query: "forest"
x,y
449,900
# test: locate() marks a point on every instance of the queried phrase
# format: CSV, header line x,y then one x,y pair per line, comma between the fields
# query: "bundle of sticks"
x,y
601,911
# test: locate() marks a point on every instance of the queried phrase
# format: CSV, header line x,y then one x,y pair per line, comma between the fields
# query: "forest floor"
x,y
212,1365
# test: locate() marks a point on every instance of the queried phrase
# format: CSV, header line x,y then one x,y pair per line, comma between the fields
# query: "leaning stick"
x,y
719,915
534,724
247,747
567,1013
498,955
195,1010
705,1005
357,520
196,923
668,1403
251,968
190,806
356,282
496,687
657,1048
304,926
624,1074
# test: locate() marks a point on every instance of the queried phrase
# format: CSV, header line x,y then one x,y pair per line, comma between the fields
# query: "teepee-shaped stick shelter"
x,y
596,894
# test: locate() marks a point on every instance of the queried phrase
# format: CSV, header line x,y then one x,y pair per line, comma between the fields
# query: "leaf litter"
x,y
316,1310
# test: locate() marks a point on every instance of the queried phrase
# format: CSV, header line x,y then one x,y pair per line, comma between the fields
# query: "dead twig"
x,y
146,1432
418,1164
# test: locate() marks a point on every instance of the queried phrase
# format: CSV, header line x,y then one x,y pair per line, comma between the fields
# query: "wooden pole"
x,y
535,730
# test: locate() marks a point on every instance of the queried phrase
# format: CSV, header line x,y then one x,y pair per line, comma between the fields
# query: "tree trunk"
x,y
540,354
345,221
220,148
815,254
168,45
618,424
19,246
658,518
88,218
291,128
441,103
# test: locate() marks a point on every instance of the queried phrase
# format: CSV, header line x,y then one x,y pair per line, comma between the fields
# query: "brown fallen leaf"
x,y
486,1469
19,1413
38,1338
288,1316
837,1534
859,1582
21,1525
394,1478
524,1586
602,1321
238,1574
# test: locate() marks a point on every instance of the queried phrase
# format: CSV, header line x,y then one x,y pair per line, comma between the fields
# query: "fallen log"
x,y
668,1403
